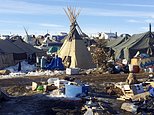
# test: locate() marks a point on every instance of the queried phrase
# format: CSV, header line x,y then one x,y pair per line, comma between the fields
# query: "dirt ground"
x,y
26,102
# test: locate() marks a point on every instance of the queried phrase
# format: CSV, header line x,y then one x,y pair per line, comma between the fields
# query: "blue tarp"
x,y
58,37
151,91
56,63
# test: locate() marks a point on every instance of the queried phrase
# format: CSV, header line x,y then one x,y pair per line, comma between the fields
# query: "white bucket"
x,y
150,70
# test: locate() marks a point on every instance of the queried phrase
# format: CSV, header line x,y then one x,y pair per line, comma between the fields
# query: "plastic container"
x,y
72,90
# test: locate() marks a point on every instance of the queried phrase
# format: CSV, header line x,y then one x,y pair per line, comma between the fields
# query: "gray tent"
x,y
14,51
10,54
116,42
138,42
29,49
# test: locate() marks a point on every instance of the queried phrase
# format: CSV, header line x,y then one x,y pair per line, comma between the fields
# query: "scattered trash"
x,y
141,96
4,72
151,91
72,71
129,107
53,81
40,88
72,90
34,86
89,112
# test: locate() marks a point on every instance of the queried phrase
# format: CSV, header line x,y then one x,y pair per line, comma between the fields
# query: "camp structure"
x,y
73,52
28,48
14,51
115,42
10,54
118,41
30,39
53,49
144,43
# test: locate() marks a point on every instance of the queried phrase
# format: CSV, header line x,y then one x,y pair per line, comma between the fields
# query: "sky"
x,y
42,16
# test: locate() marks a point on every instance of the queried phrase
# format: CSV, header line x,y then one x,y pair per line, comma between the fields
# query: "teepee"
x,y
73,52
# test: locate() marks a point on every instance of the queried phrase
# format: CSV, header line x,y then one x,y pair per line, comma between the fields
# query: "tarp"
x,y
14,51
10,54
29,49
138,42
53,49
55,64
146,62
6,47
113,43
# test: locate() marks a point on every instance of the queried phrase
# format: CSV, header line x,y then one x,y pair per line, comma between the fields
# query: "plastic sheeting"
x,y
55,64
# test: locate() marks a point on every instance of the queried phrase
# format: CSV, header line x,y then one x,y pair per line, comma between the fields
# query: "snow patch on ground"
x,y
28,70
25,67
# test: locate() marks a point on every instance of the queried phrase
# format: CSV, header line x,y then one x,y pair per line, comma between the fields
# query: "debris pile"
x,y
73,91
62,88
98,106
138,95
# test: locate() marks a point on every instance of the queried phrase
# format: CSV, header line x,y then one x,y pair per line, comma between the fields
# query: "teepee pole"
x,y
67,14
72,14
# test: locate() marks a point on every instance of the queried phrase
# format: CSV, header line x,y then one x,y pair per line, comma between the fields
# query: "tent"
x,y
28,48
31,51
73,52
10,54
53,49
116,42
144,43
14,51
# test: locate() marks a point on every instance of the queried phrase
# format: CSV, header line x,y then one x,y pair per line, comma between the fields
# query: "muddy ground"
x,y
23,101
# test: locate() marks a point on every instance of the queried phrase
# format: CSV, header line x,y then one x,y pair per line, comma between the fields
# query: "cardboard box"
x,y
135,61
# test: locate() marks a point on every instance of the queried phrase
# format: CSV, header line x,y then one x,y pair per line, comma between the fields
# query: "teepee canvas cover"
x,y
73,52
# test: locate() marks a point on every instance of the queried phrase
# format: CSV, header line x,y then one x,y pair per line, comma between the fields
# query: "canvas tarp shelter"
x,y
10,54
28,48
117,41
138,42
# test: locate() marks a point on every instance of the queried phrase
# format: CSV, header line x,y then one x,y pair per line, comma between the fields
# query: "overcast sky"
x,y
40,16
